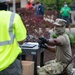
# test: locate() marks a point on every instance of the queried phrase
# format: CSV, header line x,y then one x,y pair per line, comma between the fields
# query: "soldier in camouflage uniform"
x,y
63,50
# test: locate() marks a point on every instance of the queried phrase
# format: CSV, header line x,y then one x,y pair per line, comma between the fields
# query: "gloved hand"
x,y
44,46
43,40
41,45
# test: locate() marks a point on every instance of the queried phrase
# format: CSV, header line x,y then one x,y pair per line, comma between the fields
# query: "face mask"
x,y
59,31
65,5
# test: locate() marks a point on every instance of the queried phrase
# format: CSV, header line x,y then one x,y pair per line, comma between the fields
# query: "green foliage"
x,y
61,2
71,37
55,4
54,36
49,4
49,1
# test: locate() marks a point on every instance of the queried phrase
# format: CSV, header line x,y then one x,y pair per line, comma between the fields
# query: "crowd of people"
x,y
39,7
65,11
60,45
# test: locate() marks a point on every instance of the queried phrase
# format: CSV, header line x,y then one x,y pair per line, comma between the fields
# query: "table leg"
x,y
23,57
35,64
42,59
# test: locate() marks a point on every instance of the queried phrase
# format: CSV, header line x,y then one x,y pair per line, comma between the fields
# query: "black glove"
x,y
43,40
40,43
44,46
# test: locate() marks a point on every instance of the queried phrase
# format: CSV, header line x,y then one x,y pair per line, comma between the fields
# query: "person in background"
x,y
65,13
62,49
29,5
41,10
39,7
12,34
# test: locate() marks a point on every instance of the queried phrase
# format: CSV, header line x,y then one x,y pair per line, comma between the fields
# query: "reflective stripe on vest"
x,y
12,36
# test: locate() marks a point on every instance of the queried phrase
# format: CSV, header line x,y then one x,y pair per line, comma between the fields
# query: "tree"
x,y
55,4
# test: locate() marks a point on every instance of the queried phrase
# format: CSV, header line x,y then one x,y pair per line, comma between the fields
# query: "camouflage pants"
x,y
50,68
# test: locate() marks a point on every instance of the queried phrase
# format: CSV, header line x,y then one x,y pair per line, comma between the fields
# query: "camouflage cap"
x,y
60,22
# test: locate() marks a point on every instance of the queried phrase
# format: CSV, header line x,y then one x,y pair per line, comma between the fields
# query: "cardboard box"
x,y
28,67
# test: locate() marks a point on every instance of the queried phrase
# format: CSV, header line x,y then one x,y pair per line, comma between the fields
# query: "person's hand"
x,y
61,12
43,40
67,11
40,43
44,46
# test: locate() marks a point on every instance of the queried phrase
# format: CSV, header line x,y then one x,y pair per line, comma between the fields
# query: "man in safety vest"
x,y
12,33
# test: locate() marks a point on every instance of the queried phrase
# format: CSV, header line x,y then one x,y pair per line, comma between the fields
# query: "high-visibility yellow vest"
x,y
11,31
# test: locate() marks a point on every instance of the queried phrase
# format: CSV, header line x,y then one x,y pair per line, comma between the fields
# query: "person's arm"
x,y
19,29
69,10
51,42
51,48
21,42
61,11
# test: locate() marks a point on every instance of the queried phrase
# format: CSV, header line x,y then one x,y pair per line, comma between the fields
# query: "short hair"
x,y
3,6
37,2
